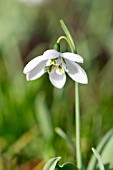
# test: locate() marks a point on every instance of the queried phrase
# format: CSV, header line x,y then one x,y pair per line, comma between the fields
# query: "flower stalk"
x,y
72,46
66,39
77,127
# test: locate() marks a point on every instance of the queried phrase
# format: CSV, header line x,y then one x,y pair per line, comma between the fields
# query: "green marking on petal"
x,y
51,67
64,60
60,69
53,61
46,68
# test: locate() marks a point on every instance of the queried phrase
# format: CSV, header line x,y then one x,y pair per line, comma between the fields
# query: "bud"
x,y
57,47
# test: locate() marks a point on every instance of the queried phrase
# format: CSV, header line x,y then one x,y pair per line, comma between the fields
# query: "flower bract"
x,y
56,64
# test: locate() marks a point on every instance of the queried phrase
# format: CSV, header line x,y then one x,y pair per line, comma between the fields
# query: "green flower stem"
x,y
65,38
77,127
72,46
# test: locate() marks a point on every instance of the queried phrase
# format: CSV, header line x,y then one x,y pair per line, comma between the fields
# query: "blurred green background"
x,y
30,111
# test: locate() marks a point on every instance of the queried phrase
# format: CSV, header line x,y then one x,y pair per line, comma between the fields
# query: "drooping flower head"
x,y
56,64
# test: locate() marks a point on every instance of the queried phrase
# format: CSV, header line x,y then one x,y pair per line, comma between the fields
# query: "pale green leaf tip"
x,y
51,163
59,157
92,149
57,129
98,158
61,20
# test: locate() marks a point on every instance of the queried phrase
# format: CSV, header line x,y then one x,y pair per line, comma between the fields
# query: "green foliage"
x,y
69,141
69,37
104,148
44,117
52,164
67,166
101,166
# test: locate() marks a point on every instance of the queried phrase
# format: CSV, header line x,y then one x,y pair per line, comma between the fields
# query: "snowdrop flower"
x,y
56,64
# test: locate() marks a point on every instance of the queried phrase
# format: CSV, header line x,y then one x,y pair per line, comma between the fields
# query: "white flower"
x,y
57,65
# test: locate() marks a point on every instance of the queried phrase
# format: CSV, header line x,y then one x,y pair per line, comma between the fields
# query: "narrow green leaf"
x,y
43,117
66,31
104,148
99,159
67,166
52,163
62,134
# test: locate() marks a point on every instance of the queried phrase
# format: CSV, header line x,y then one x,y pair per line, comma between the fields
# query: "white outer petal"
x,y
51,54
57,80
72,57
33,63
76,72
36,72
